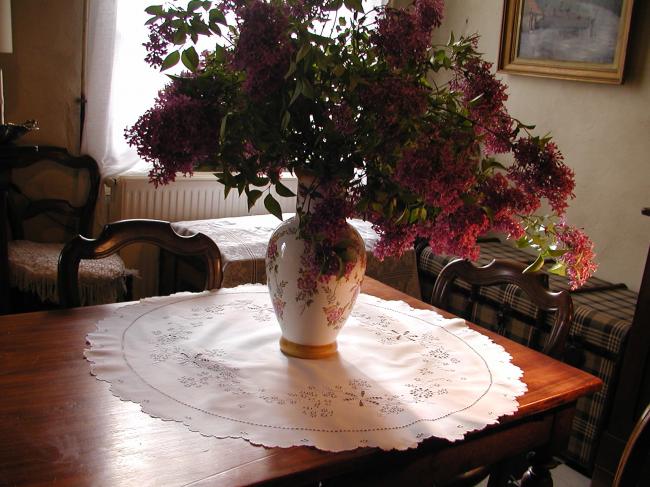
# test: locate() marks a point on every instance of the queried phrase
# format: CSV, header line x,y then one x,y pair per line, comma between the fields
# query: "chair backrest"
x,y
74,213
509,272
117,235
633,463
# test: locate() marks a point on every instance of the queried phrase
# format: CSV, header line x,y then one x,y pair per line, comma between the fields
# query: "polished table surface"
x,y
59,425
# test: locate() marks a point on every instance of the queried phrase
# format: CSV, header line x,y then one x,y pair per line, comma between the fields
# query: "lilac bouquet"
x,y
397,131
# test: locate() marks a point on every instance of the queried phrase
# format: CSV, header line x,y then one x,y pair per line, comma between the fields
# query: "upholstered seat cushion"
x,y
33,268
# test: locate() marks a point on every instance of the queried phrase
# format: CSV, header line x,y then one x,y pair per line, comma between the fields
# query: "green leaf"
x,y
253,195
488,164
190,58
522,242
259,181
556,252
180,36
404,217
282,190
273,207
354,5
217,16
296,92
558,268
155,10
333,5
535,266
219,53
338,70
171,60
417,214
292,69
241,184
302,52
200,27
307,89
194,5
475,100
286,118
222,130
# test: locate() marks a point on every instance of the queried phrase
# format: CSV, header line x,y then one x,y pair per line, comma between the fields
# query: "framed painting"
x,y
571,39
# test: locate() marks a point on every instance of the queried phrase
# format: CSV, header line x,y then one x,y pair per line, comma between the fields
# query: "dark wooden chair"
x,y
534,284
508,272
117,235
46,197
633,469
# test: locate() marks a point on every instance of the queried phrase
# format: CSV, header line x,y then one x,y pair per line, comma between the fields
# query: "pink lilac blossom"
x,y
394,239
400,37
487,95
539,169
343,118
328,212
455,233
429,13
175,134
308,9
323,222
392,100
263,49
438,171
159,39
506,202
230,5
579,257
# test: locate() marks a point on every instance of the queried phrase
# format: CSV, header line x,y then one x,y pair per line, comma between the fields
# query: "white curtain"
x,y
119,85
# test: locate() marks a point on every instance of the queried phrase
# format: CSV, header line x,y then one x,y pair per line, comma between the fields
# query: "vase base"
x,y
307,351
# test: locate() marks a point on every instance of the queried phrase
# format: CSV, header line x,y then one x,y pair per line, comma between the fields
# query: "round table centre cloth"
x,y
212,361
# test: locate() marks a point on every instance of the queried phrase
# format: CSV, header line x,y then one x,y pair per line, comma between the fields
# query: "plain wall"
x,y
602,130
42,76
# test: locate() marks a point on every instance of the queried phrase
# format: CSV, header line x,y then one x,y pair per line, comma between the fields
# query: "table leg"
x,y
539,474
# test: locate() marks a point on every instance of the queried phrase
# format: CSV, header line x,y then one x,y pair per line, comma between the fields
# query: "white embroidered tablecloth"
x,y
243,240
212,361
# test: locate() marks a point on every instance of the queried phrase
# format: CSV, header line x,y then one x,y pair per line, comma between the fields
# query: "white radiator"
x,y
188,198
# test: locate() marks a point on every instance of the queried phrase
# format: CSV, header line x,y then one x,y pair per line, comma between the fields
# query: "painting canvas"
x,y
578,39
570,30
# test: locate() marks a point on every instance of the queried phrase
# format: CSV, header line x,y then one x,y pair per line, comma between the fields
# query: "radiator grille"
x,y
195,198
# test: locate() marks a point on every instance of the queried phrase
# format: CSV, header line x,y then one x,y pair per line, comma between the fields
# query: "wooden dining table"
x,y
59,425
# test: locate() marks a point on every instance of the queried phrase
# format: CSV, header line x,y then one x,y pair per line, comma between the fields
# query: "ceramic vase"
x,y
311,308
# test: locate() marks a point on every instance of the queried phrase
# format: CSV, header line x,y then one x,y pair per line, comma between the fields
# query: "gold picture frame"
x,y
583,41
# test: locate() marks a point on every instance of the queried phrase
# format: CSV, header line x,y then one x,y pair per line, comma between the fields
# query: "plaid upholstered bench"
x,y
602,318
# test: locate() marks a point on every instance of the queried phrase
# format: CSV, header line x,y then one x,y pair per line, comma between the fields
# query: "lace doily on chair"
x,y
212,361
34,268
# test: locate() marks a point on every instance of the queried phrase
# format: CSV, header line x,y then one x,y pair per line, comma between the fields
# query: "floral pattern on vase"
x,y
311,306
